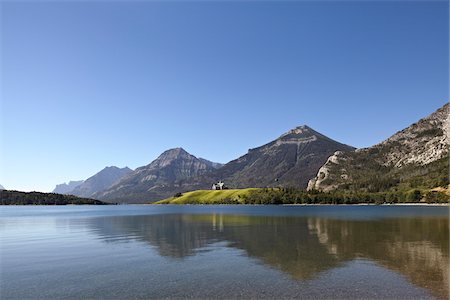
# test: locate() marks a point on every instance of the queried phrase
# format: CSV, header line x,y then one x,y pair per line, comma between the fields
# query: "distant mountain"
x,y
66,188
100,181
1,187
289,161
160,179
215,165
416,157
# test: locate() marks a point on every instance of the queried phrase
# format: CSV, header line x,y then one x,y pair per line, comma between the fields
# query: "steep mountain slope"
x,y
416,157
66,188
1,187
160,179
215,165
100,181
287,161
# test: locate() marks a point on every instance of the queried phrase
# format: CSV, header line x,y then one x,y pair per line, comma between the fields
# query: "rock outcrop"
x,y
417,150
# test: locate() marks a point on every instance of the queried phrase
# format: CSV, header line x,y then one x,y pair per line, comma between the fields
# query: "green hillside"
x,y
235,196
299,196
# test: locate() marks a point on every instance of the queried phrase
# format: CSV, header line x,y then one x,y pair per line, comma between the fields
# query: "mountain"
x,y
157,180
416,157
289,161
1,187
100,181
66,188
215,165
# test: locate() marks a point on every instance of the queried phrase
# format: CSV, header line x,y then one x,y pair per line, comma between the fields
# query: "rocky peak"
x,y
171,155
299,131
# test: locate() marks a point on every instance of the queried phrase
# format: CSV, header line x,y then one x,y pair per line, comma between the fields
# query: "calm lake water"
x,y
122,252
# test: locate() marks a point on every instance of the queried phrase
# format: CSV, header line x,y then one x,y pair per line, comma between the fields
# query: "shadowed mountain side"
x,y
288,161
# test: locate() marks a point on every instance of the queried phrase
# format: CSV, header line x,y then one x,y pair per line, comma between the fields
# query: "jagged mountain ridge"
x,y
290,160
100,181
159,179
416,151
66,188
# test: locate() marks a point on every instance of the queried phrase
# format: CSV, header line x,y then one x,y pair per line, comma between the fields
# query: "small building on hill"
x,y
219,186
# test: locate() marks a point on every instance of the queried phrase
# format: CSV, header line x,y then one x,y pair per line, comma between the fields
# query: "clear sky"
x,y
89,84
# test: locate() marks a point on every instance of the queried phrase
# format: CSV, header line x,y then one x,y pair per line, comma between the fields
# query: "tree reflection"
x,y
302,247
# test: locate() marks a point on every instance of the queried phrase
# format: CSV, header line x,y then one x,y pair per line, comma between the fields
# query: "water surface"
x,y
138,251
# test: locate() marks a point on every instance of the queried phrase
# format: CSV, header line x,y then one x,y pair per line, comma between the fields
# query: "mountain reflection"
x,y
302,247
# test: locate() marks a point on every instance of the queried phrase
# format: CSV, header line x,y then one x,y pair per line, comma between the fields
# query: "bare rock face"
x,y
425,143
338,158
160,179
421,143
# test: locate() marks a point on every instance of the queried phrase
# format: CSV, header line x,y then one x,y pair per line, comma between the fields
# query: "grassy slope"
x,y
208,196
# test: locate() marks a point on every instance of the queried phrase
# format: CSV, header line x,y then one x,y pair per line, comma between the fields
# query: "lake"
x,y
149,251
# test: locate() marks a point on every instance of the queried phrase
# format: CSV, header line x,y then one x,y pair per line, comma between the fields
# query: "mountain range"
x,y
100,181
66,188
290,160
96,183
417,156
159,179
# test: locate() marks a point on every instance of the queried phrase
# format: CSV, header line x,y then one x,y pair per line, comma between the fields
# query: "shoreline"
x,y
373,204
207,204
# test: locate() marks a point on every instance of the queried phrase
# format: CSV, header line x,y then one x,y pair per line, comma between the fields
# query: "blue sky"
x,y
86,85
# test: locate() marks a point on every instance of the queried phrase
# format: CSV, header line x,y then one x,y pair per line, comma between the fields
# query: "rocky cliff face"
x,y
66,188
160,179
100,181
418,150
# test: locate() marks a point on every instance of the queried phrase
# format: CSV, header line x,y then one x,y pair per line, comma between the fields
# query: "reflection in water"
x,y
302,247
